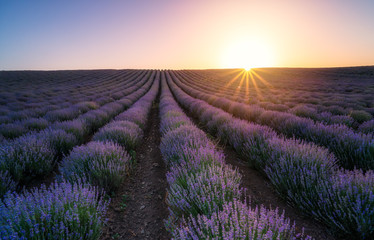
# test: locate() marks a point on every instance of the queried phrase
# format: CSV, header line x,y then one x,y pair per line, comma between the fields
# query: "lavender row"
x,y
303,173
18,128
46,98
105,161
353,150
72,209
31,119
332,94
34,155
336,115
204,196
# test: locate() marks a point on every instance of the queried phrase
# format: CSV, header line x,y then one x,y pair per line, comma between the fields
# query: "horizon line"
x,y
228,68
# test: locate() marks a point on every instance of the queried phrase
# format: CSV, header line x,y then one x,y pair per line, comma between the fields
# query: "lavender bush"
x,y
347,204
62,211
125,133
61,142
12,130
238,221
185,136
35,123
367,127
202,191
27,157
76,127
6,183
102,164
361,116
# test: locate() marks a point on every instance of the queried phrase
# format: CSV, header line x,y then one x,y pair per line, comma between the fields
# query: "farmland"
x,y
272,153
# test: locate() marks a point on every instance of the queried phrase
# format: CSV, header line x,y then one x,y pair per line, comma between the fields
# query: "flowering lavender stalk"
x,y
62,211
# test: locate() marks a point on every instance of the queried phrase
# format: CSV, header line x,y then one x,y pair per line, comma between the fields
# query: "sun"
x,y
247,69
247,53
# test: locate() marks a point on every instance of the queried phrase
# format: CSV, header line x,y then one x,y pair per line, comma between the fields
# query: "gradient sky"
x,y
185,34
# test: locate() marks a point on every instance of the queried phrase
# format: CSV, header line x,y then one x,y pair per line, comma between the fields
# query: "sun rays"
x,y
244,84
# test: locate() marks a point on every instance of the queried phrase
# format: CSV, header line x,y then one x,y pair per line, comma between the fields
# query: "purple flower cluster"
x,y
353,150
304,174
61,211
204,194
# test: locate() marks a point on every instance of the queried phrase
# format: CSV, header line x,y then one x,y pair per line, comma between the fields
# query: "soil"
x,y
138,210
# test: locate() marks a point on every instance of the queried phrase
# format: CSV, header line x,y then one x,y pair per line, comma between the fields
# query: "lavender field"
x,y
270,153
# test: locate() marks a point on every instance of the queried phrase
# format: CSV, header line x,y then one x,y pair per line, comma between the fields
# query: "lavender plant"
x,y
125,133
61,141
6,183
12,130
102,164
27,157
237,221
62,211
35,123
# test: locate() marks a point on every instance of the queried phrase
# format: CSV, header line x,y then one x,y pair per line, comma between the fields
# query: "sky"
x,y
191,34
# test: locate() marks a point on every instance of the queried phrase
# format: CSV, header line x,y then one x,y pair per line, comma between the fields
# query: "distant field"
x,y
187,154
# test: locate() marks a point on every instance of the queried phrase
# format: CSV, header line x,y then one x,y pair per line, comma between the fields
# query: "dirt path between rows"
x,y
138,210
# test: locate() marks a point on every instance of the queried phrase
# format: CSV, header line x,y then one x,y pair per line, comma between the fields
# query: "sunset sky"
x,y
178,34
